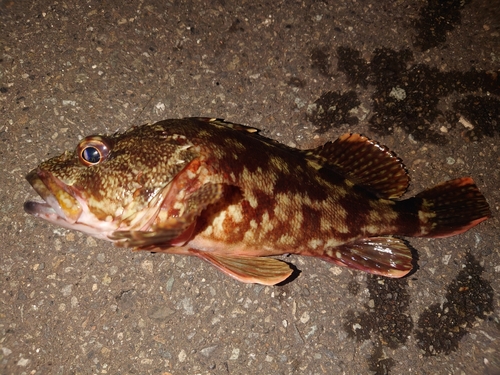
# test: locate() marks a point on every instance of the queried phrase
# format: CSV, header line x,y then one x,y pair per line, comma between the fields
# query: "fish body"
x,y
224,193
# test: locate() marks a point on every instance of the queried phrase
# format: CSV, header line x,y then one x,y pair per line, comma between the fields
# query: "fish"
x,y
224,193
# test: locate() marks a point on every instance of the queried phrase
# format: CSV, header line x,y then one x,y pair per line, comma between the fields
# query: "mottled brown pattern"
x,y
219,190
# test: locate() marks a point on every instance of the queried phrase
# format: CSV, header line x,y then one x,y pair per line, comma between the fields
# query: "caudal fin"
x,y
451,208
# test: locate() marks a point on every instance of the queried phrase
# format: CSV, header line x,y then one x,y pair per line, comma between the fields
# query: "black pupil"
x,y
91,155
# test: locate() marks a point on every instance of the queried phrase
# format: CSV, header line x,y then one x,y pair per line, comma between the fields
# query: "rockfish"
x,y
224,193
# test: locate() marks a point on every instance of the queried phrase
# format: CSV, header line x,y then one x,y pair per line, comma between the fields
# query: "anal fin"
x,y
258,270
384,256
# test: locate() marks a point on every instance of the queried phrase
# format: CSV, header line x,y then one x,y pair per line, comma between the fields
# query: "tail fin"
x,y
451,208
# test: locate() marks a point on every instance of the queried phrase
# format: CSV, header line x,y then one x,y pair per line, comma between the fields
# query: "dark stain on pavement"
x,y
436,19
333,108
379,363
483,113
321,61
468,297
386,314
407,96
386,320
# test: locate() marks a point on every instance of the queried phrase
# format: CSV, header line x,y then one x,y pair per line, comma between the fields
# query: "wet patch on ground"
x,y
408,96
333,108
468,297
437,19
379,363
385,319
480,115
320,59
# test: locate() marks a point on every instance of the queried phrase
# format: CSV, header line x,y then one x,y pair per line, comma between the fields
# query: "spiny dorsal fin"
x,y
247,130
227,124
365,163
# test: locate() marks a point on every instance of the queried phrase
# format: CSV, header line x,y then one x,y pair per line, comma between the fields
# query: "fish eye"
x,y
93,150
91,155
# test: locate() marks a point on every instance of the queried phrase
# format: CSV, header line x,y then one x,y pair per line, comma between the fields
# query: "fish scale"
x,y
224,193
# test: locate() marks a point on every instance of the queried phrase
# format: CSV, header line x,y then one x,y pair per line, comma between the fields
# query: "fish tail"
x,y
450,208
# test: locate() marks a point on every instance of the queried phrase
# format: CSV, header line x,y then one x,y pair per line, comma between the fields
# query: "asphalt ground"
x,y
417,76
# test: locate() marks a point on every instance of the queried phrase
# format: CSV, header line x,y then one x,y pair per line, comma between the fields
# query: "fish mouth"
x,y
63,205
59,204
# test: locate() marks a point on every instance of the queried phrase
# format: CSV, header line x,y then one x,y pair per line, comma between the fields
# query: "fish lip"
x,y
38,208
53,192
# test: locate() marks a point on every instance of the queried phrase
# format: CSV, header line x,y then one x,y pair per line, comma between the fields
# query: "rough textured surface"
x,y
419,77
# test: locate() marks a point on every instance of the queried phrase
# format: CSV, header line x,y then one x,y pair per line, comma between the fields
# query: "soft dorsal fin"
x,y
365,163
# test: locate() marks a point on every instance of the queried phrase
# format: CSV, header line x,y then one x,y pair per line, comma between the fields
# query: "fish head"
x,y
110,183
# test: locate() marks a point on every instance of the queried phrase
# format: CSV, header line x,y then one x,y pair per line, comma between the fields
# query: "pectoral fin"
x,y
148,240
385,256
258,270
